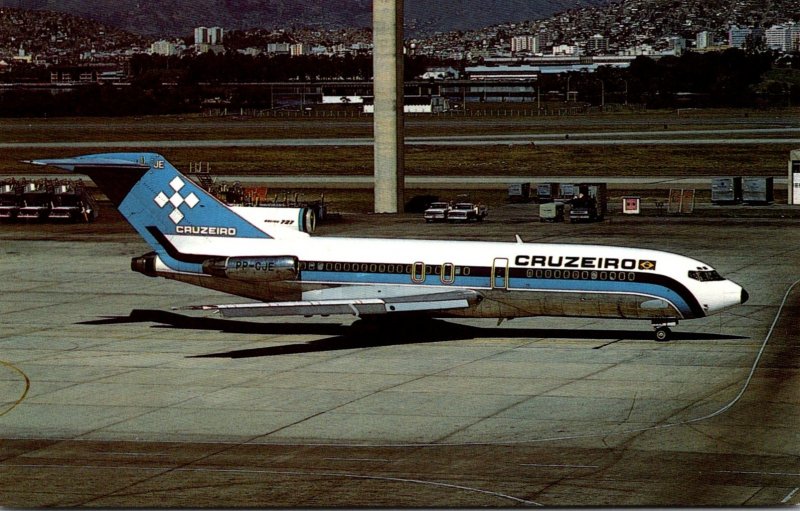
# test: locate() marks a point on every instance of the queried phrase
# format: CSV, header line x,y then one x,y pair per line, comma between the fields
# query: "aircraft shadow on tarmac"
x,y
365,334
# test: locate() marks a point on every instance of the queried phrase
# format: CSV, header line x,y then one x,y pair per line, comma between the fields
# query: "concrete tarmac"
x,y
109,398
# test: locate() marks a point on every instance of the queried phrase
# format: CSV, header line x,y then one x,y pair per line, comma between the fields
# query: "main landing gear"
x,y
663,331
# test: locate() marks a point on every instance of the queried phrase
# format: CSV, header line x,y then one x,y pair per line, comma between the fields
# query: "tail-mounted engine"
x,y
256,268
145,264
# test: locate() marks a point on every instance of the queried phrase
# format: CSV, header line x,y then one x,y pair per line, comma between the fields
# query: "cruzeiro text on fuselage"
x,y
584,262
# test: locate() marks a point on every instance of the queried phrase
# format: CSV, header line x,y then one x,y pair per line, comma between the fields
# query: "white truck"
x,y
467,212
437,212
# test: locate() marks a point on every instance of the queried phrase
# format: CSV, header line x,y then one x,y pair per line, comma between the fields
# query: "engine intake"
x,y
258,268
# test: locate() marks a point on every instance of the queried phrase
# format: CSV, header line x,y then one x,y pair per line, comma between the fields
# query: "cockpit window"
x,y
705,275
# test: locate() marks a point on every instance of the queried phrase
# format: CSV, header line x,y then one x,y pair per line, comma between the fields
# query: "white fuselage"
x,y
514,279
249,252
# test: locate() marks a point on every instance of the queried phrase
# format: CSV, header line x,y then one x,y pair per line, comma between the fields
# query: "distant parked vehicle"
x,y
467,212
590,204
551,212
584,209
37,198
437,212
10,199
519,192
46,199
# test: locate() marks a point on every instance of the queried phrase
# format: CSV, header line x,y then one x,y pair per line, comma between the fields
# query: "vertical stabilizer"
x,y
159,201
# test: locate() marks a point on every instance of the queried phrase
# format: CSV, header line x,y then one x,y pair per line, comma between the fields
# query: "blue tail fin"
x,y
159,201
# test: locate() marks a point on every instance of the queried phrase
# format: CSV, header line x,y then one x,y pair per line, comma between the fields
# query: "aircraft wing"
x,y
457,299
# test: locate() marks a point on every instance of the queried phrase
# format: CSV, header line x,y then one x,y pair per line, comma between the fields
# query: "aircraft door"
x,y
418,272
500,273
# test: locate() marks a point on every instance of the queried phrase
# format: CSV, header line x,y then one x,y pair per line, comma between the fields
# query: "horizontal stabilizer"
x,y
364,307
71,164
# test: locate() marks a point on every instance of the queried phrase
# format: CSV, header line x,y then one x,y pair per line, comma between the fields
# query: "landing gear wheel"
x,y
663,333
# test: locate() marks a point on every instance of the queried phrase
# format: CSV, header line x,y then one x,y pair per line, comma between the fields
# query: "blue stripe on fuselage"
x,y
515,284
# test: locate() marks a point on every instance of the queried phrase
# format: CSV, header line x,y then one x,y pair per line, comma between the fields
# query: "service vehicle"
x,y
10,199
551,212
437,212
467,212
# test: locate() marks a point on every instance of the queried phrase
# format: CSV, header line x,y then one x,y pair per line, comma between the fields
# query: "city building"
x,y
525,43
415,105
737,36
298,49
596,45
73,75
440,73
210,36
639,49
782,38
215,35
278,48
163,47
205,48
200,35
361,47
704,40
502,72
676,45
565,49
23,56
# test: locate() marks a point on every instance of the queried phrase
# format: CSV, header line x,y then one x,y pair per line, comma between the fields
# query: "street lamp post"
x,y
626,91
602,95
567,97
539,99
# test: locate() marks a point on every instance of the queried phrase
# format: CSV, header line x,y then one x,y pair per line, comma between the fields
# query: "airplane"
x,y
199,240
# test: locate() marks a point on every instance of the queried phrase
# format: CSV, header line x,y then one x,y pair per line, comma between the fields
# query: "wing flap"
x,y
372,306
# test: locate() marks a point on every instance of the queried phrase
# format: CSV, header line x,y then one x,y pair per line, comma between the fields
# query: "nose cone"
x,y
721,295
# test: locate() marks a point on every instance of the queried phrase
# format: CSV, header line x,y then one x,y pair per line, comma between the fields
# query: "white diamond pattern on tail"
x,y
192,200
176,184
176,215
176,200
161,200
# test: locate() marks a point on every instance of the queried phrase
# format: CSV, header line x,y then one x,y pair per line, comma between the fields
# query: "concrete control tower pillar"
x,y
387,62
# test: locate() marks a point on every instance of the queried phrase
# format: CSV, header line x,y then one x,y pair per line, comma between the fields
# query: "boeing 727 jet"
x,y
201,241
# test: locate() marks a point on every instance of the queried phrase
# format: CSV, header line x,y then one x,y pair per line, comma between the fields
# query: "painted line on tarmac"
x,y
370,460
24,392
755,363
756,472
557,466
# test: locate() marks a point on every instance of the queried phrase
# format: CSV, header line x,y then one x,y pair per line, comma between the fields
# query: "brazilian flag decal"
x,y
645,264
